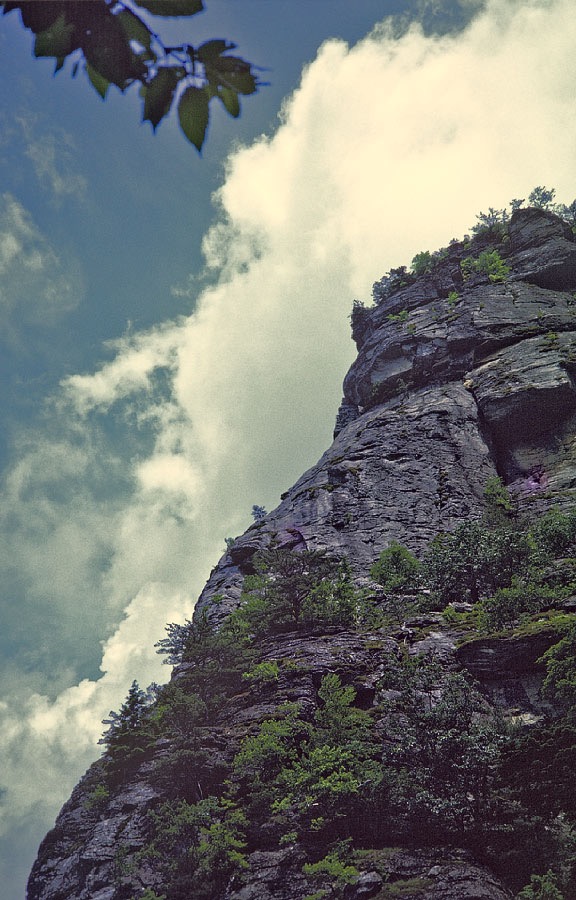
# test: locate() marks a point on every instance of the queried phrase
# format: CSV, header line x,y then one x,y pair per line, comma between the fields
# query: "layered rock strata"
x,y
457,380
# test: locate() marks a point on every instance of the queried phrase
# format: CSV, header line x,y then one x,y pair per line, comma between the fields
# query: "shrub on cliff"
x,y
296,588
443,754
475,560
489,263
132,730
397,569
541,887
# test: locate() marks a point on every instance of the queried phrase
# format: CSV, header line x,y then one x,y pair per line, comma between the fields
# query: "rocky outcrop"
x,y
457,380
446,392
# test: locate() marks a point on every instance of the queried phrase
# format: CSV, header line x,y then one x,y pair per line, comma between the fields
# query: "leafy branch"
x,y
114,44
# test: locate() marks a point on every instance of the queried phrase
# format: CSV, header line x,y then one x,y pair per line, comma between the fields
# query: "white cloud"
x,y
386,149
52,154
37,287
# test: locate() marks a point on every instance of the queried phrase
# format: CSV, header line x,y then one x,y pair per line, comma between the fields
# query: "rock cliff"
x,y
464,373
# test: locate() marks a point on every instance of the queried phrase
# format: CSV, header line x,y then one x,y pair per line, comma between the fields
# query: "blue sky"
x,y
175,329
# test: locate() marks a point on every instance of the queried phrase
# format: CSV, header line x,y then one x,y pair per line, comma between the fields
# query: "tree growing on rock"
x,y
293,589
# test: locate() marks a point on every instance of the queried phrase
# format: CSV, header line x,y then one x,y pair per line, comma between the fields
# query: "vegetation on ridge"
x,y
428,762
489,236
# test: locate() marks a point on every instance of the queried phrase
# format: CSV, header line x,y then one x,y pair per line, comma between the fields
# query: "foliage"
x,y
493,223
131,731
397,569
555,532
359,319
292,589
215,659
199,847
333,869
391,282
541,887
430,762
98,797
115,45
474,561
560,681
262,673
488,262
497,496
508,604
444,751
399,318
542,197
258,512
305,778
422,263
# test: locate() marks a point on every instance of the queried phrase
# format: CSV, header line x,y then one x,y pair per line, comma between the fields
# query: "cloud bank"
x,y
385,149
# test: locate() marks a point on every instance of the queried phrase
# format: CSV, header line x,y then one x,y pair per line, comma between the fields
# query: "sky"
x,y
174,329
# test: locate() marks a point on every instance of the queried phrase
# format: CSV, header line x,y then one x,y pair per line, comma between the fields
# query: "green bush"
x,y
397,569
488,262
475,560
555,532
510,603
266,672
497,496
422,263
334,870
293,589
541,887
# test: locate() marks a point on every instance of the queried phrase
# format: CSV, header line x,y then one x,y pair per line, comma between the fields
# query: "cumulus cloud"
x,y
37,287
385,149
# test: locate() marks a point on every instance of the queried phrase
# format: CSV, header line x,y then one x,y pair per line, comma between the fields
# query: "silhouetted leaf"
x,y
106,46
134,28
158,95
172,7
212,49
57,40
38,16
231,101
233,72
98,81
193,115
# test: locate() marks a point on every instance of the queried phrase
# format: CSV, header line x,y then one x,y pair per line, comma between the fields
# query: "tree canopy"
x,y
115,44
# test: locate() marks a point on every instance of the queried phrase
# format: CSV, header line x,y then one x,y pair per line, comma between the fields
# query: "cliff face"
x,y
457,380
444,394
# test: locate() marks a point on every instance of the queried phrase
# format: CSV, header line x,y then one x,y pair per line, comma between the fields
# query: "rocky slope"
x,y
458,379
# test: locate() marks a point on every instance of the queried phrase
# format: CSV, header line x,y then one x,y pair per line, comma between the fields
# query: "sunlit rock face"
x,y
457,379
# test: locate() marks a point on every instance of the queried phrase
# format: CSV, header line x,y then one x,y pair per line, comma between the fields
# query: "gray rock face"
x,y
456,381
454,392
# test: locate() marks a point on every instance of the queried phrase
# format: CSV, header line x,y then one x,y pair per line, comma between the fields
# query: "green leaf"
x,y
134,28
38,16
106,47
193,115
232,72
172,7
57,40
231,101
212,49
158,95
98,81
